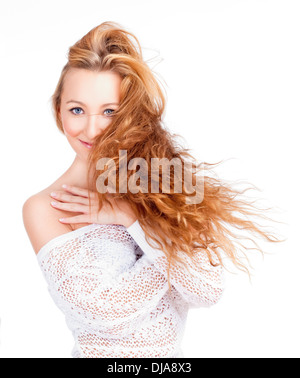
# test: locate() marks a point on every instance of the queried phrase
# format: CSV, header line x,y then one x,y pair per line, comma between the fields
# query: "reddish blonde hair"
x,y
137,127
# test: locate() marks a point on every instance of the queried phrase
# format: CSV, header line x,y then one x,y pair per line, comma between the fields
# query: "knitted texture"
x,y
113,288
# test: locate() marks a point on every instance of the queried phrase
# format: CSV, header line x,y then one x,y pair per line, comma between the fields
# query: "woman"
x,y
125,265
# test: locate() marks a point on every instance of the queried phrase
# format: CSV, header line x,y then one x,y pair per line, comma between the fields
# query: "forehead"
x,y
91,87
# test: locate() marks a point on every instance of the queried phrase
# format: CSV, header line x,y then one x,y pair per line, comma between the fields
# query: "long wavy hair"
x,y
167,218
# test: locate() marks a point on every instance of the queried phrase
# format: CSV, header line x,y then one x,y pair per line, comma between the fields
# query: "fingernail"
x,y
64,186
53,194
62,219
53,203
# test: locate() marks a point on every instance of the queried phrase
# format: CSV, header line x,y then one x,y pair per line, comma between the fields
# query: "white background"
x,y
232,77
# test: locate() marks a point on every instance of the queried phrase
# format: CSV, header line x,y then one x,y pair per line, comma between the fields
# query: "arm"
x,y
116,303
202,284
115,300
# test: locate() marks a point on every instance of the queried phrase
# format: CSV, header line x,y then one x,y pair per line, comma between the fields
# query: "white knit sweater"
x,y
112,287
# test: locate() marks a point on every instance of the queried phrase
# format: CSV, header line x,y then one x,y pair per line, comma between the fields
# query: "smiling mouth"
x,y
88,145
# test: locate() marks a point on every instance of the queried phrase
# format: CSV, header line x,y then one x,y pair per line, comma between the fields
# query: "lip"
x,y
87,145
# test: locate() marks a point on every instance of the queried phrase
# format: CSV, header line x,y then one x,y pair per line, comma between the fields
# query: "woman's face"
x,y
87,103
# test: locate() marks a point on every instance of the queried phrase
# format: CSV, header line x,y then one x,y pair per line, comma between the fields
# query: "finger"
x,y
74,207
76,190
61,196
74,198
84,218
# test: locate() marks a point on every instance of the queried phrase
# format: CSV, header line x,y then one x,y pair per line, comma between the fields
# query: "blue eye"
x,y
109,113
76,111
71,110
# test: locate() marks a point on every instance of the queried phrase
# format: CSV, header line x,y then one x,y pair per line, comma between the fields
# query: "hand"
x,y
76,200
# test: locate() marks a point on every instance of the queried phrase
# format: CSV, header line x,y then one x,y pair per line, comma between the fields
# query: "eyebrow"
x,y
79,102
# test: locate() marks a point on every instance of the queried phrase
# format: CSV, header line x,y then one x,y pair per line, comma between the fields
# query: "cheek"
x,y
70,128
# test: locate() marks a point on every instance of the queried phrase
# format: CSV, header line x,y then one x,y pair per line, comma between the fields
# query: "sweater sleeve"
x,y
97,277
202,284
117,303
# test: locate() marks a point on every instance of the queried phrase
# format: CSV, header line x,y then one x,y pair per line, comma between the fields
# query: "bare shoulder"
x,y
41,220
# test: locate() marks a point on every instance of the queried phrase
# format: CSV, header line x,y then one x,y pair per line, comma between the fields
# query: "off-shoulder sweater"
x,y
112,287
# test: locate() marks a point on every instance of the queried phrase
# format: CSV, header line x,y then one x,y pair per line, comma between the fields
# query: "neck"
x,y
76,174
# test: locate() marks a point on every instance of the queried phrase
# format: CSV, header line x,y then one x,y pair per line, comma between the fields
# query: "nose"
x,y
94,125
